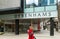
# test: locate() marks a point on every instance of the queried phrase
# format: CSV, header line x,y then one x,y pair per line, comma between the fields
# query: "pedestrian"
x,y
44,26
30,33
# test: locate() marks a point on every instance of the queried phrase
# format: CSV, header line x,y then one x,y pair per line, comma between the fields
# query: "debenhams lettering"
x,y
37,15
29,15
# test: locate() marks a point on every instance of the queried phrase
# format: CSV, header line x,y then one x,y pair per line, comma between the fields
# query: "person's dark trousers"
x,y
2,29
51,31
51,27
44,27
17,26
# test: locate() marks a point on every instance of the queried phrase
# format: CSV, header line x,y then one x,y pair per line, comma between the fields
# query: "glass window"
x,y
37,6
28,6
51,8
35,3
51,2
31,6
44,2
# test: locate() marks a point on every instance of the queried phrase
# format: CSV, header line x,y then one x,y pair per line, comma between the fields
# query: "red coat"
x,y
30,34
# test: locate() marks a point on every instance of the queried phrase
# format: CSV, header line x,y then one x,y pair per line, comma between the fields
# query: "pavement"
x,y
44,34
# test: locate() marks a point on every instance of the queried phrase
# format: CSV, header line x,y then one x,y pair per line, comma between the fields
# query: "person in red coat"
x,y
30,33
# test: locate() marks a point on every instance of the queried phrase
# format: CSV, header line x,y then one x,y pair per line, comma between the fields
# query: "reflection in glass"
x,y
51,2
32,3
29,3
38,5
44,2
35,3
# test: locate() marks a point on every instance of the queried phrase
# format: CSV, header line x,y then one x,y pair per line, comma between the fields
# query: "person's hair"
x,y
29,24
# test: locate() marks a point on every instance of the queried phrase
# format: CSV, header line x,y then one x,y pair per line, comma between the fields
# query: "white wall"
x,y
9,3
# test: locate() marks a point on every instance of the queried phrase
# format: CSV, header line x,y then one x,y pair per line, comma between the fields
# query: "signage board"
x,y
30,15
40,15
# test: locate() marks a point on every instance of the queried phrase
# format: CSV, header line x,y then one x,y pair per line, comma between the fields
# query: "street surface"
x,y
44,34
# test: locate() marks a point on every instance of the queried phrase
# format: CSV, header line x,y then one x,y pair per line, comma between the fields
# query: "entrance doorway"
x,y
9,28
23,27
25,23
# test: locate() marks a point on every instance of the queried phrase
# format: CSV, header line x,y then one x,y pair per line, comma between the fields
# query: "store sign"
x,y
40,15
30,15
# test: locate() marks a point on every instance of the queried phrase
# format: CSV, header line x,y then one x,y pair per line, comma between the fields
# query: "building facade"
x,y
18,18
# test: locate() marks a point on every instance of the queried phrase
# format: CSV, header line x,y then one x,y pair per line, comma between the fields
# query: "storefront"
x,y
33,12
